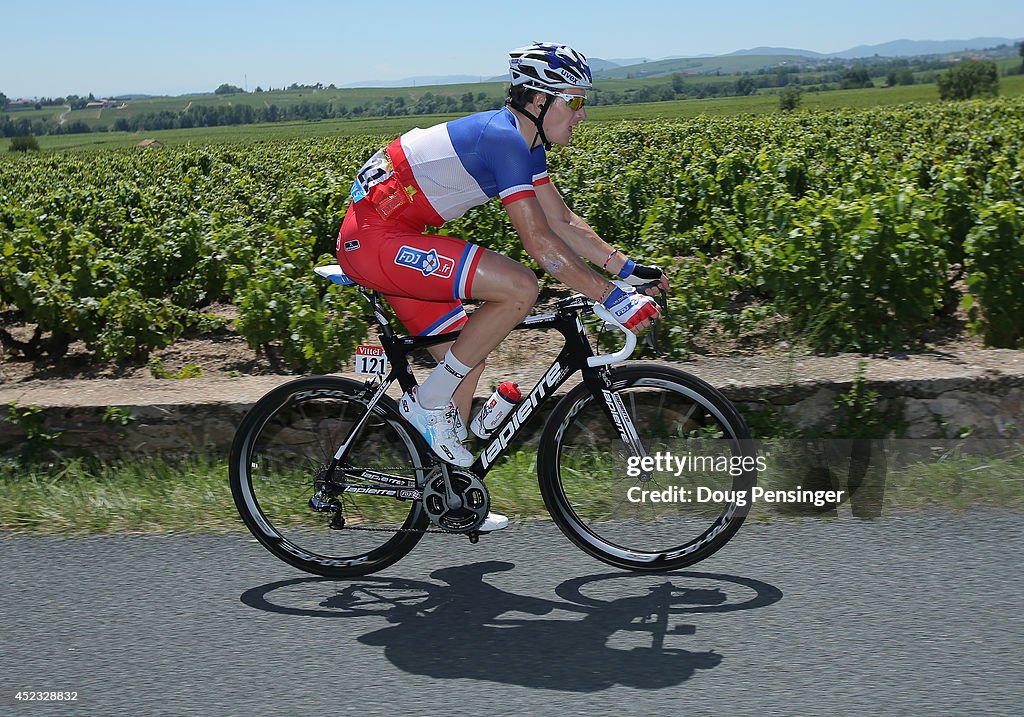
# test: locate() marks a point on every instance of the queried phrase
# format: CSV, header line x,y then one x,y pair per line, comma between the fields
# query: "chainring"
x,y
467,512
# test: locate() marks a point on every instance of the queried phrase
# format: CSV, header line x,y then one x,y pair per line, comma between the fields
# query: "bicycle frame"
x,y
574,356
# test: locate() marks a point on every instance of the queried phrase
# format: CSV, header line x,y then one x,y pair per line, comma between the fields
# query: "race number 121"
x,y
371,360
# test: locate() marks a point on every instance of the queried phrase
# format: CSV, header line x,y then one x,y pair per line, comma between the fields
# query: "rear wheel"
x,y
666,503
280,459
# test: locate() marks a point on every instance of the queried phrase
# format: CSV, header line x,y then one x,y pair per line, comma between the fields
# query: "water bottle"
x,y
496,408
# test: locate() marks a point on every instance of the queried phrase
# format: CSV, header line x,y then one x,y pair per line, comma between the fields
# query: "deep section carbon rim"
x,y
279,462
669,502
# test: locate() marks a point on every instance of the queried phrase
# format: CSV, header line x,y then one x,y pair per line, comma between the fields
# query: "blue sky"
x,y
111,47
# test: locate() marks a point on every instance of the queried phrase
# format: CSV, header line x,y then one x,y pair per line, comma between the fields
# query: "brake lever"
x,y
651,340
652,336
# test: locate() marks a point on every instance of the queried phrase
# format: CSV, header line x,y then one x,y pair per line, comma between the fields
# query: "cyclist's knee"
x,y
524,289
505,281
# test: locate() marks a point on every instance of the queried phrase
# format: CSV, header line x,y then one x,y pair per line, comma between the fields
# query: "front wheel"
x,y
281,459
654,474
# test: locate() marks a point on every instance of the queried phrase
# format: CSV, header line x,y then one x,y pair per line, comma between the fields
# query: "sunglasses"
x,y
575,102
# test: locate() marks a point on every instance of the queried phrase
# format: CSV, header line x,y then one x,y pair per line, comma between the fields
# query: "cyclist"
x,y
428,176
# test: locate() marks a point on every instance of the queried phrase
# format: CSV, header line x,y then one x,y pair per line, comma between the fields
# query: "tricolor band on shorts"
x,y
463,286
449,321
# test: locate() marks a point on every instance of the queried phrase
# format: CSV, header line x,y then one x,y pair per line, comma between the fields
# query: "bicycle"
x,y
642,466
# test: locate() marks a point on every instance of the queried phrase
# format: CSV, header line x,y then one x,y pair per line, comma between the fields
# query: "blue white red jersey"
x,y
449,168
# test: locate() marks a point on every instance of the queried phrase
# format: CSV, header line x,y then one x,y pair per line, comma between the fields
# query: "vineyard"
x,y
854,230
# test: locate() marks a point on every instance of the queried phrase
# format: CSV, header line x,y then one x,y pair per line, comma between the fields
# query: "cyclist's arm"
x,y
554,254
579,235
574,230
632,310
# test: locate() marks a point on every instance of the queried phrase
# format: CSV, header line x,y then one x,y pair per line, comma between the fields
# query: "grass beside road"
x,y
80,497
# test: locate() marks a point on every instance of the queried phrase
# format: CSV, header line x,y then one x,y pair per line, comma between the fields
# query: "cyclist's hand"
x,y
646,279
632,310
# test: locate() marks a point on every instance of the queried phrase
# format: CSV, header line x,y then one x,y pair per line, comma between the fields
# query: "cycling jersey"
x,y
447,169
425,178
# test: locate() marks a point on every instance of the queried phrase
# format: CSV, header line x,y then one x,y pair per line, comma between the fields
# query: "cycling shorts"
x,y
423,277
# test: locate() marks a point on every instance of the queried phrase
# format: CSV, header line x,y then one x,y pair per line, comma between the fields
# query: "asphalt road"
x,y
908,615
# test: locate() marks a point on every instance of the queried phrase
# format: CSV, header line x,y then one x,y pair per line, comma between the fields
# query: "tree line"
x,y
239,114
961,80
213,116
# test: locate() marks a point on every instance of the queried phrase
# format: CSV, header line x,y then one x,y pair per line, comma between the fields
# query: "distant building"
x,y
149,143
104,104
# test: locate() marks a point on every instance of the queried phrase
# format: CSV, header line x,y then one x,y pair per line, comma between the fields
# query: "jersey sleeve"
x,y
516,169
540,167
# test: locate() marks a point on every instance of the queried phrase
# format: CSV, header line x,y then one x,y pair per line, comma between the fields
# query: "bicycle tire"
x,y
280,451
583,467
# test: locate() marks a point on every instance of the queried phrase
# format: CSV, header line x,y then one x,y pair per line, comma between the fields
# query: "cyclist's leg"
x,y
425,277
509,291
419,317
467,389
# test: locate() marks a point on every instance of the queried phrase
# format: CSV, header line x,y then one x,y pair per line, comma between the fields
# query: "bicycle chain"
x,y
404,530
379,469
440,531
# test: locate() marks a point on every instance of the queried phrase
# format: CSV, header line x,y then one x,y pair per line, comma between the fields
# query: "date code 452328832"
x,y
45,696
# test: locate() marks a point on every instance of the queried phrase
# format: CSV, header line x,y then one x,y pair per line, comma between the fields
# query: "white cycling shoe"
x,y
493,521
437,426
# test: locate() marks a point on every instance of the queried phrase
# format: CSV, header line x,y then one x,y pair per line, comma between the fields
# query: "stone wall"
x,y
988,407
193,417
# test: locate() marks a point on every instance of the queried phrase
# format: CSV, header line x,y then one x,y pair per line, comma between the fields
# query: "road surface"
x,y
904,615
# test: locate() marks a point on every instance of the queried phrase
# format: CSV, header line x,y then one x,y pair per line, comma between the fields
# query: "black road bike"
x,y
642,466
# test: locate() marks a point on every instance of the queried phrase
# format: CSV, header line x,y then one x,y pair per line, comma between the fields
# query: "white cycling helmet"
x,y
549,65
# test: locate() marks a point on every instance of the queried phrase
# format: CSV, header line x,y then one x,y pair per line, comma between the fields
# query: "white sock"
x,y
438,389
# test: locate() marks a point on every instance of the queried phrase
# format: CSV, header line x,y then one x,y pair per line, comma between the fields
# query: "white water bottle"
x,y
496,408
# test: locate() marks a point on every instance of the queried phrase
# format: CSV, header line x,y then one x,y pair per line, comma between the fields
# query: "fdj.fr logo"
x,y
429,262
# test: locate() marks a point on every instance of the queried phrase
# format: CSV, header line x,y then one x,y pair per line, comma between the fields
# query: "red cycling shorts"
x,y
424,277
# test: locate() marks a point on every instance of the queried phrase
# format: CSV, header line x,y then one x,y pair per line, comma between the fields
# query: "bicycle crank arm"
x,y
454,499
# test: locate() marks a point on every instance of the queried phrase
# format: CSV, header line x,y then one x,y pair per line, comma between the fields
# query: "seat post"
x,y
379,316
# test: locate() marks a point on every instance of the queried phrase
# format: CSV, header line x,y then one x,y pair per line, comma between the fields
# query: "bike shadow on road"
x,y
605,630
